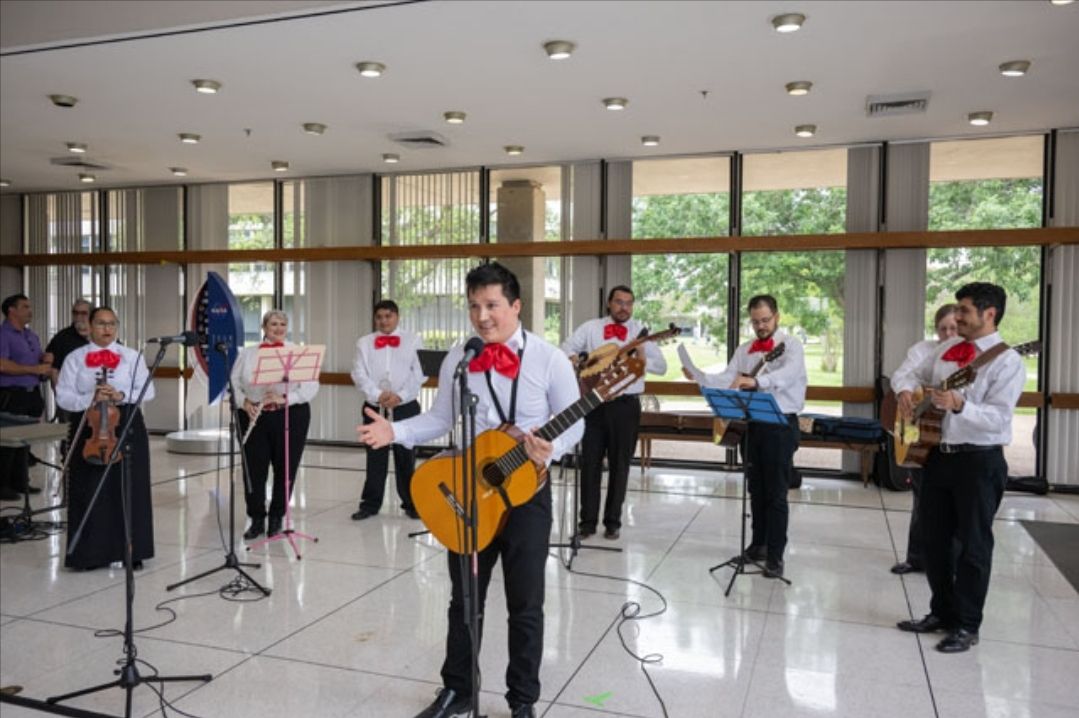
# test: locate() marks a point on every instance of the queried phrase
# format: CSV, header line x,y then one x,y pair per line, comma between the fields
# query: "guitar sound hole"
x,y
492,475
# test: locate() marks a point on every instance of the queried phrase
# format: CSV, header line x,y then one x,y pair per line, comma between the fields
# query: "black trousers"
x,y
960,495
611,430
266,447
771,457
15,463
915,536
378,462
523,546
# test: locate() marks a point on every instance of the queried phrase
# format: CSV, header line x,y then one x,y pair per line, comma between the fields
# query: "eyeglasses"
x,y
762,322
622,302
107,325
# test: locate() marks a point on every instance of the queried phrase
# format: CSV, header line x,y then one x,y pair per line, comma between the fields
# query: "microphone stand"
x,y
575,542
128,673
232,561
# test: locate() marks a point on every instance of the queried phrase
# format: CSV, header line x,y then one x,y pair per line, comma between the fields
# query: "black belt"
x,y
965,448
19,388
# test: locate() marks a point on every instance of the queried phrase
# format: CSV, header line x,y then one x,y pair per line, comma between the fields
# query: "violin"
x,y
102,420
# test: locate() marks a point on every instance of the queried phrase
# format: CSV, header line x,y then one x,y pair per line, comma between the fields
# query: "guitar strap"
x,y
988,355
512,418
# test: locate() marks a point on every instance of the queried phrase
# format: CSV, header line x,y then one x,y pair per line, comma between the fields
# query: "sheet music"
x,y
698,376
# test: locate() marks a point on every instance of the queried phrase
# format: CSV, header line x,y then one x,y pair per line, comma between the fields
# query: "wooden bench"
x,y
690,426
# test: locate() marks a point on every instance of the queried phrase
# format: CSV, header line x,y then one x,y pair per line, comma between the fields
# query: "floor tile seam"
x,y
591,651
351,564
674,543
183,477
597,711
756,658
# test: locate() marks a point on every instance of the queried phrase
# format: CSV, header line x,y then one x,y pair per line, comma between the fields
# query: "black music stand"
x,y
751,407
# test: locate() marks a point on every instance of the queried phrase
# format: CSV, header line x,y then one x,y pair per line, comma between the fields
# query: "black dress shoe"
x,y
412,513
447,704
136,565
33,490
255,529
10,495
275,526
612,534
586,531
906,567
958,641
523,711
929,624
773,569
756,553
362,514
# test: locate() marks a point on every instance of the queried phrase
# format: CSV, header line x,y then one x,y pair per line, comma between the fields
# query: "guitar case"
x,y
885,471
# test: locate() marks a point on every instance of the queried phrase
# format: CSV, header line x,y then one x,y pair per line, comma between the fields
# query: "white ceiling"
x,y
486,58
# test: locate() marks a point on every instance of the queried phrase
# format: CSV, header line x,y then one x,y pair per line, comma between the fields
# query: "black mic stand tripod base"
x,y
575,541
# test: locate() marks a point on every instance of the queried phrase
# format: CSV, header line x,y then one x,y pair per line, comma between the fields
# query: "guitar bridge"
x,y
452,501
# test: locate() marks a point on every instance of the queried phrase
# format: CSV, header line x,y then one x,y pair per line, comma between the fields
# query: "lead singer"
x,y
519,379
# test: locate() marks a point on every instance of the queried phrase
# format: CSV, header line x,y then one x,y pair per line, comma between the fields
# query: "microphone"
x,y
188,339
472,350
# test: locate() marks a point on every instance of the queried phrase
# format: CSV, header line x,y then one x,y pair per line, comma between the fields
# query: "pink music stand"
x,y
282,365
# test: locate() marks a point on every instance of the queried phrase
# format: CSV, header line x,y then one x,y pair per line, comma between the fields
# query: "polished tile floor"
x,y
357,626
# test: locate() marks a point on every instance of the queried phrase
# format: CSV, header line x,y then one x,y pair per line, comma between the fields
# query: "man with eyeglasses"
x,y
23,366
771,446
611,428
71,337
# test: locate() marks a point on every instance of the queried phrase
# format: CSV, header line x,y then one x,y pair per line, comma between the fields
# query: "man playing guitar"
x,y
965,475
611,429
522,380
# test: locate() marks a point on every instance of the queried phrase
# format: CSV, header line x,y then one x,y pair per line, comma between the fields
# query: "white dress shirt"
x,y
589,337
396,369
986,418
546,385
243,373
784,378
77,384
915,356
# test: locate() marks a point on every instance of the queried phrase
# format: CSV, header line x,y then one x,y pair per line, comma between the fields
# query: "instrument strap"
x,y
988,355
512,418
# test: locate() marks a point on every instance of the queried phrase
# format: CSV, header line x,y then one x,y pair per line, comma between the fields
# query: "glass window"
x,y
251,226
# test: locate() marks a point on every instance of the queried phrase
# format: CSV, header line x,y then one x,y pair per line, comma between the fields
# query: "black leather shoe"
x,y
773,569
958,641
33,490
612,534
275,526
412,513
362,514
906,567
447,704
257,527
756,553
929,624
10,495
523,711
585,532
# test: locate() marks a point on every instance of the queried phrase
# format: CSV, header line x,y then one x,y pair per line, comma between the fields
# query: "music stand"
x,y
23,435
283,365
749,407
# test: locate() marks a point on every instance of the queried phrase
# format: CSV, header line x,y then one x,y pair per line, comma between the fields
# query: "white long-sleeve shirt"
x,y
77,383
986,418
784,378
546,386
243,373
915,356
589,337
395,369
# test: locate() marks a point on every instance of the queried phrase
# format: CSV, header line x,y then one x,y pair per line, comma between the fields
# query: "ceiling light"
x,y
314,128
650,140
1062,2
788,22
206,87
799,88
189,138
179,171
805,130
615,103
4,183
1014,68
514,149
390,158
279,165
63,100
559,49
87,178
78,148
371,69
454,117
980,119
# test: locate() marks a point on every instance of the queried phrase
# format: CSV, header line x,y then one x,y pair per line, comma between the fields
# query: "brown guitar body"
x,y
913,440
729,433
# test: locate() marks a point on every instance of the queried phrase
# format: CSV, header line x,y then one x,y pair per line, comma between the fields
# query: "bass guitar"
x,y
506,476
730,433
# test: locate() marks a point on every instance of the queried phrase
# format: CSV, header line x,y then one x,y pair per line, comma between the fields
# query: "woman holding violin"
x,y
97,385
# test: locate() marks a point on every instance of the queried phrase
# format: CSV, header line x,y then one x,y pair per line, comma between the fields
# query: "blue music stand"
x,y
748,407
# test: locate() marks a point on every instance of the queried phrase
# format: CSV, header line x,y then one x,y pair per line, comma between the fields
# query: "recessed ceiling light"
x,y
189,138
805,130
799,88
314,128
279,165
559,49
454,117
371,69
650,140
514,149
1062,2
206,87
4,183
788,22
390,158
87,178
179,171
63,100
615,103
78,148
980,119
1014,68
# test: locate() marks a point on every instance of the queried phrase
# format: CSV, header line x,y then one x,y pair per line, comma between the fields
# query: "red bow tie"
x,y
762,345
962,353
271,345
103,358
615,330
498,357
387,340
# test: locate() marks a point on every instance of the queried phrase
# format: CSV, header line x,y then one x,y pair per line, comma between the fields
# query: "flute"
x,y
251,426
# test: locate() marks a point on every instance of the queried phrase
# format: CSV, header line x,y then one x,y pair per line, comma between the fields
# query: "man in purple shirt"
x,y
23,366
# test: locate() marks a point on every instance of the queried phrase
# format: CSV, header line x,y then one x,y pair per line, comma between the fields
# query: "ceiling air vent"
x,y
82,163
909,103
425,139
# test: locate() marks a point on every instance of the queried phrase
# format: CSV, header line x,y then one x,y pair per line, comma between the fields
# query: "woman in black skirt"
x,y
106,372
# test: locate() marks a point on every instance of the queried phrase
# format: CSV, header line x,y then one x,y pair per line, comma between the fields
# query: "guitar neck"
x,y
516,457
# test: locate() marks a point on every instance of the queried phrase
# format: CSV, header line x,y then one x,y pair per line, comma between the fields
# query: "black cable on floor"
x,y
161,700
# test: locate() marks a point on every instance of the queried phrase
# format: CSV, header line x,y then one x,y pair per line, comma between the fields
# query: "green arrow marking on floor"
x,y
599,699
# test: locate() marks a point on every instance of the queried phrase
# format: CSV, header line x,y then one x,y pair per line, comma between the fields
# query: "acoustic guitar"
x,y
601,357
730,433
506,476
916,437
